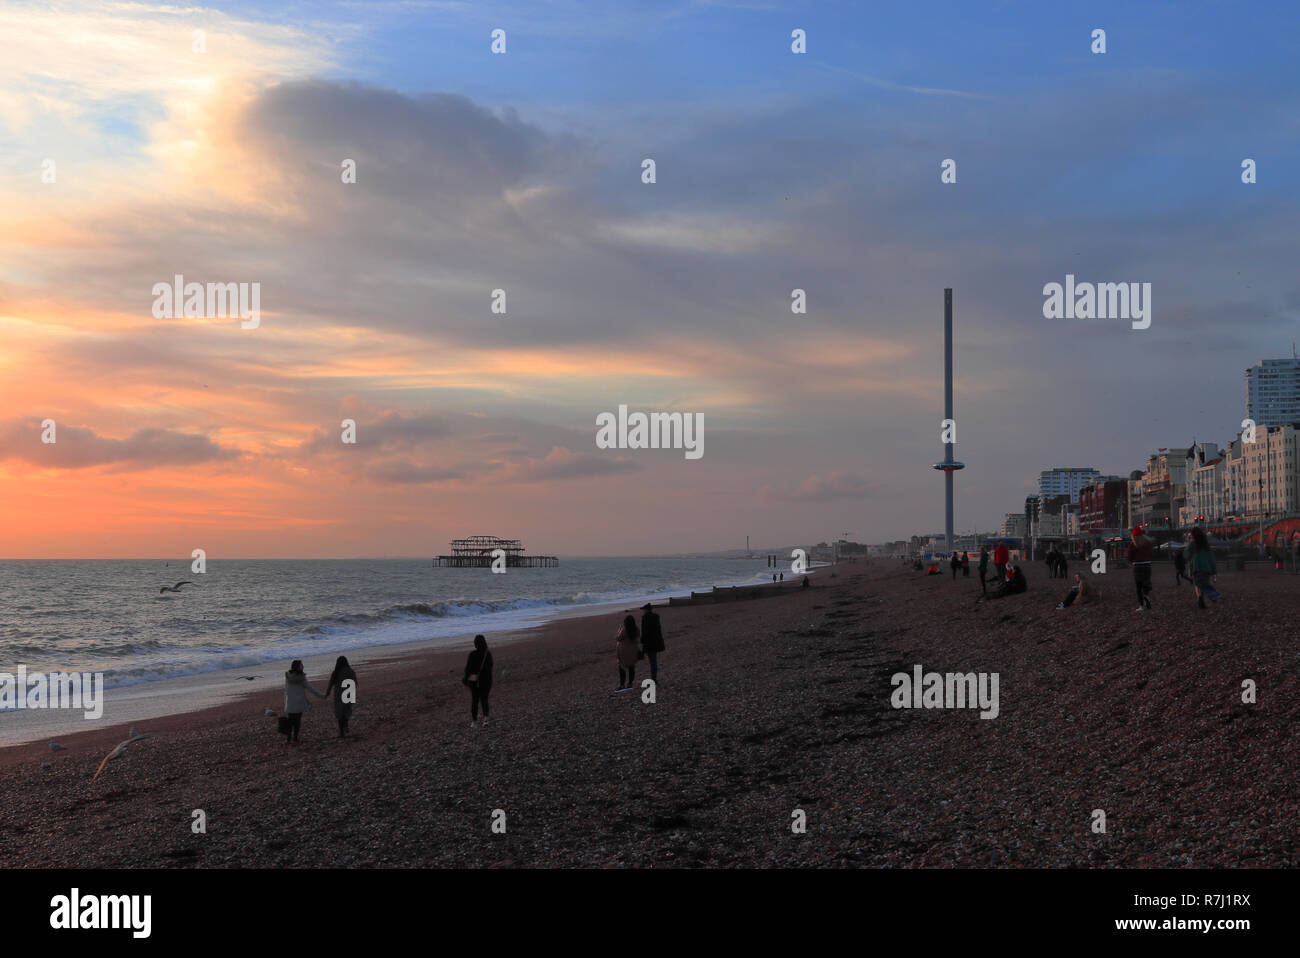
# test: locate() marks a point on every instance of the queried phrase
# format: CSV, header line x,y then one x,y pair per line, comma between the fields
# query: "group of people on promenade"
x,y
631,644
1195,563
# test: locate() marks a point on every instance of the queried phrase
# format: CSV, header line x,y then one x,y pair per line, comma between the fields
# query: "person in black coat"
x,y
652,639
478,676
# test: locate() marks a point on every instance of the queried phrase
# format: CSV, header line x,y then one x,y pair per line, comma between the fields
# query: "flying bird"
x,y
118,751
176,587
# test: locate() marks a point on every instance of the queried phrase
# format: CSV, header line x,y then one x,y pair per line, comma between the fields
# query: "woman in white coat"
x,y
296,688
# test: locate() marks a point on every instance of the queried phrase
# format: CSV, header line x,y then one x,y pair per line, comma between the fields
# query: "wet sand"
x,y
764,707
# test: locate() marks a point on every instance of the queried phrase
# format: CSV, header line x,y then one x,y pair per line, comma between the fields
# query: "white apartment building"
x,y
1064,481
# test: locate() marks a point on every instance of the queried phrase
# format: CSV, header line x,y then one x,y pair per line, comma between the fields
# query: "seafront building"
x,y
1102,504
1064,481
1254,478
1272,484
1273,392
1204,499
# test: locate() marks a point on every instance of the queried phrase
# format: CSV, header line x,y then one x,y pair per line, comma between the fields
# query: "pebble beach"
x,y
764,709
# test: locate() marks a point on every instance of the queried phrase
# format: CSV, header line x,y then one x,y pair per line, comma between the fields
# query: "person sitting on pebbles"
x,y
1082,591
1015,584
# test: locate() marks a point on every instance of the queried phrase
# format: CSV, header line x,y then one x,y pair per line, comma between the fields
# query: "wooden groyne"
x,y
736,593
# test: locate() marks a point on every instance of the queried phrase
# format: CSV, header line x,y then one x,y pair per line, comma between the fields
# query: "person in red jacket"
x,y
1139,554
1001,556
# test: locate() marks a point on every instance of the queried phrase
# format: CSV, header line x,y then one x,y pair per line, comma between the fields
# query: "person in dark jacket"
x,y
984,568
652,639
955,563
478,677
1204,570
344,695
1139,554
1180,567
965,565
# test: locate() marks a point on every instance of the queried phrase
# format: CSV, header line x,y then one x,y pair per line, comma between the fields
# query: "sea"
x,y
108,616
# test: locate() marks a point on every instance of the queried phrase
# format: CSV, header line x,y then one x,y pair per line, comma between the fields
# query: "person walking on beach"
x,y
955,563
1062,566
1051,563
478,679
1139,554
344,697
296,688
652,639
625,642
965,565
1180,568
1001,555
1204,569
984,568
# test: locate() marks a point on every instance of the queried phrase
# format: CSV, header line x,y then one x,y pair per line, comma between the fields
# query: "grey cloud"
x,y
80,447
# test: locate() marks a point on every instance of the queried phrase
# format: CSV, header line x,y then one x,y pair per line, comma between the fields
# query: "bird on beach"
x,y
133,733
269,712
118,751
176,587
56,747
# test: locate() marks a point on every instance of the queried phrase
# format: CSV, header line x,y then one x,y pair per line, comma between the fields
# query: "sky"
x,y
131,152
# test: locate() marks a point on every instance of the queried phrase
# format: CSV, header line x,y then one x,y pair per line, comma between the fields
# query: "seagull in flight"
x,y
120,749
176,587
